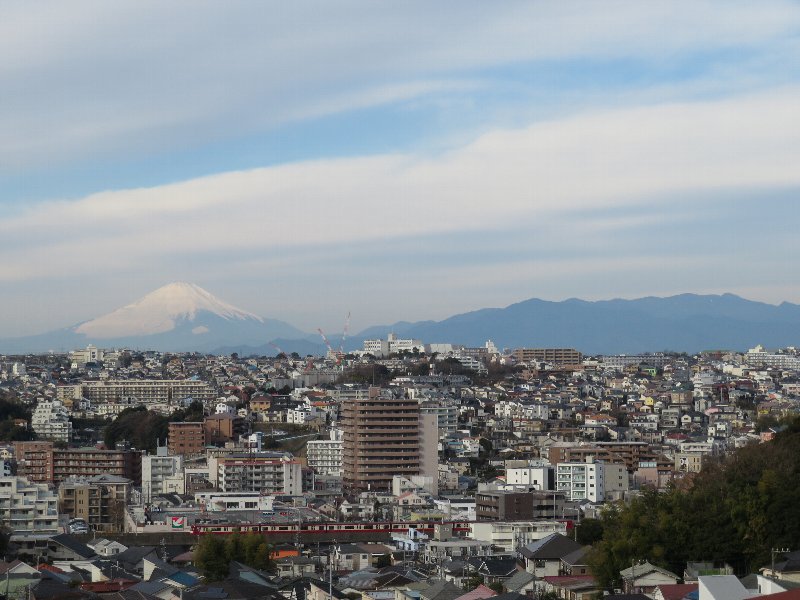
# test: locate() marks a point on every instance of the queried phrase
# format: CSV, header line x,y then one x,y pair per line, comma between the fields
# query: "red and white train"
x,y
459,527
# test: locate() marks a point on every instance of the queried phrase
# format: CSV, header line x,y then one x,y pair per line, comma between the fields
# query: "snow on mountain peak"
x,y
160,311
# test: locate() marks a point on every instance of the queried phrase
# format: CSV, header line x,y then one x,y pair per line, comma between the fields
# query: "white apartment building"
x,y
162,474
510,535
28,507
761,358
50,420
270,473
147,391
325,456
593,481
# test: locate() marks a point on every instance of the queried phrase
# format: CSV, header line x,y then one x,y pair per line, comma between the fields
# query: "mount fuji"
x,y
176,317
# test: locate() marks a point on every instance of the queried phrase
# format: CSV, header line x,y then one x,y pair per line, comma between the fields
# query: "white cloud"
x,y
609,159
87,79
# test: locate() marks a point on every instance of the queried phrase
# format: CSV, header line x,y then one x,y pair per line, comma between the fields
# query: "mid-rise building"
x,y
221,428
27,507
325,456
50,420
593,481
265,472
42,463
511,506
100,500
391,345
562,356
147,391
162,474
381,439
446,412
186,438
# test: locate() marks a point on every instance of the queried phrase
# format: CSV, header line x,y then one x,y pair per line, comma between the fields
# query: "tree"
x,y
213,555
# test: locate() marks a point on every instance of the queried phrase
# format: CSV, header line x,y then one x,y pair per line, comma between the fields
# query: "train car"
x,y
459,527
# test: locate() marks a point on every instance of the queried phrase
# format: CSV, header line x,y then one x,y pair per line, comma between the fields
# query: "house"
x,y
350,557
645,577
495,570
479,593
543,557
521,582
574,587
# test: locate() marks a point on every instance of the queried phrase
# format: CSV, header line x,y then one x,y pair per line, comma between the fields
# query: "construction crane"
x,y
328,345
278,348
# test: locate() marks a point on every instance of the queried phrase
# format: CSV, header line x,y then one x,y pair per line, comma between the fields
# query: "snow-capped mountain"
x,y
161,311
175,317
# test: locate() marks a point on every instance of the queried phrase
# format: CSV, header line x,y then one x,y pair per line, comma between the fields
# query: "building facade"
x,y
186,438
28,507
381,439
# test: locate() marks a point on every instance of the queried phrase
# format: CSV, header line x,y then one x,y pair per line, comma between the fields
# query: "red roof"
x,y
676,591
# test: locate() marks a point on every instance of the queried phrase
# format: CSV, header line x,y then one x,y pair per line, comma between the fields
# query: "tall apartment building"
x,y
186,438
98,500
42,463
562,356
28,507
50,420
446,412
325,456
381,439
266,472
147,391
162,474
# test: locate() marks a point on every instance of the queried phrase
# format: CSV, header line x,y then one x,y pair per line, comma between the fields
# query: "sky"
x,y
394,160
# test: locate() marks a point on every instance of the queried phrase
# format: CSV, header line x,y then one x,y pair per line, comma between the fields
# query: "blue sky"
x,y
398,161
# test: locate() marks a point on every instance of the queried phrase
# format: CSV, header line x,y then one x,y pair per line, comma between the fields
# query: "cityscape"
x,y
399,301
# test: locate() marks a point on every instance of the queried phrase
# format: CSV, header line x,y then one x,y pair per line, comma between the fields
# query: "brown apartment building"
x,y
42,463
186,438
381,439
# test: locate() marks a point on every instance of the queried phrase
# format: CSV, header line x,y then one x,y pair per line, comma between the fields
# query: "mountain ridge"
x,y
184,317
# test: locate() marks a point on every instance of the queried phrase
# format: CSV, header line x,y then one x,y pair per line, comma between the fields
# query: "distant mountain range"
x,y
185,317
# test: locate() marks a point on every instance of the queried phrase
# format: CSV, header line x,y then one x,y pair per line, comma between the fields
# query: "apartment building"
x,y
266,472
561,356
147,391
381,439
42,463
187,438
221,428
162,474
503,505
593,481
325,456
98,500
50,420
27,507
